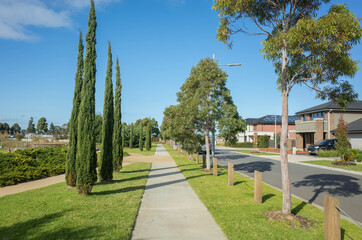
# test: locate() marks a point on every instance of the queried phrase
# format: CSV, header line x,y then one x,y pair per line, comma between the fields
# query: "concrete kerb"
x,y
307,164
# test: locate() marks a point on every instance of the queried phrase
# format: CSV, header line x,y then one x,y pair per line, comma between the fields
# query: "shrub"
x,y
358,154
31,164
331,153
240,144
263,141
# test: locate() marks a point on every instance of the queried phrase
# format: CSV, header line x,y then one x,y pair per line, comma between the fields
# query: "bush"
x,y
240,144
31,164
263,141
358,154
331,153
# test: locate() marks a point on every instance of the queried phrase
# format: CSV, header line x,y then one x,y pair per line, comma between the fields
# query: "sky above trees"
x,y
157,42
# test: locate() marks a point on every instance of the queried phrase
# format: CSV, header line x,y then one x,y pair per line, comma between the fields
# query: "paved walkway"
x,y
170,209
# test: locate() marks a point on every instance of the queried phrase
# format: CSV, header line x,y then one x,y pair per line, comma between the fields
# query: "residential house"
x,y
316,123
266,125
354,134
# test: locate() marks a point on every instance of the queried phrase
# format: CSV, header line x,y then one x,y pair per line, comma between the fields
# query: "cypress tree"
x,y
131,137
106,158
123,137
117,134
70,170
148,137
86,162
141,138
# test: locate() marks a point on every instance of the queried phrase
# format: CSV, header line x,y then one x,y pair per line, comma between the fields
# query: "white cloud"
x,y
16,15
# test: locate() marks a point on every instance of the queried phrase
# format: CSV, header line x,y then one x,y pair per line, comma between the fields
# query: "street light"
x,y
213,132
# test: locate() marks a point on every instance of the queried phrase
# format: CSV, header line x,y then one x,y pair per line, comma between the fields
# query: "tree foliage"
x,y
42,125
31,126
105,169
15,128
86,152
342,146
70,170
140,137
118,136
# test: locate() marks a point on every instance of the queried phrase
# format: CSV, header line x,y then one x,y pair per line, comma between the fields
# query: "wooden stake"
x,y
230,174
214,166
332,222
257,186
197,158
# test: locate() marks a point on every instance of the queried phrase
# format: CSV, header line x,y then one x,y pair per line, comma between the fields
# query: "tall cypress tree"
x,y
86,162
70,170
123,137
150,134
117,134
141,138
131,137
106,158
148,137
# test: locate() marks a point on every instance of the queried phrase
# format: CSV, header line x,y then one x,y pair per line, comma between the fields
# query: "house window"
x,y
319,115
323,114
254,127
305,117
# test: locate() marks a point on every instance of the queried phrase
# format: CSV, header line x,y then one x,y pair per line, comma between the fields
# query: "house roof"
x,y
270,119
353,127
354,106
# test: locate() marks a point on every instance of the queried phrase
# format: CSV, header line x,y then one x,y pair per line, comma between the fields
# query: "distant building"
x,y
318,123
266,126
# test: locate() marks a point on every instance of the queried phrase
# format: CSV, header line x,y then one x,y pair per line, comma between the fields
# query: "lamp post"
x,y
213,130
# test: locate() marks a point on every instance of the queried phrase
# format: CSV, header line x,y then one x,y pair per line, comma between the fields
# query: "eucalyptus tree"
x,y
205,99
31,126
305,50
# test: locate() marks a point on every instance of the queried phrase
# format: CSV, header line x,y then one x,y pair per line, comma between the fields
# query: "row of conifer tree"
x,y
82,158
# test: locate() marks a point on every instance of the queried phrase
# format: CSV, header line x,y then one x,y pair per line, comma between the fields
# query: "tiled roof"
x,y
270,119
330,105
353,127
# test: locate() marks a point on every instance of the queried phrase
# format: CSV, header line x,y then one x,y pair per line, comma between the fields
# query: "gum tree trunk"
x,y
207,145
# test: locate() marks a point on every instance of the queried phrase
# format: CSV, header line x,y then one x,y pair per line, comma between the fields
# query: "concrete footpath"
x,y
170,209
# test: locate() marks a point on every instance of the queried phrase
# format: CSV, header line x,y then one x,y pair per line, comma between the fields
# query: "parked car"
x,y
325,145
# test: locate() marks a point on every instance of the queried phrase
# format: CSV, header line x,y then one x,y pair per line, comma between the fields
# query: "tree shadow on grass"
x,y
333,184
119,190
299,207
266,197
34,229
238,182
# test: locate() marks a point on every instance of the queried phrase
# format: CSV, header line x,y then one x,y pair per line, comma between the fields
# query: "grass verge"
x,y
151,152
328,163
253,152
240,217
55,212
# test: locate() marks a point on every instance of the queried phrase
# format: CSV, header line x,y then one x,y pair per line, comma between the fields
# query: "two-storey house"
x,y
266,125
317,123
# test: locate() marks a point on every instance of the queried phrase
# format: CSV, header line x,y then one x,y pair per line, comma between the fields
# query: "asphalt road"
x,y
309,183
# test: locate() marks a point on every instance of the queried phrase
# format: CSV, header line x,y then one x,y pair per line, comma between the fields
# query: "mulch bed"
x,y
294,221
344,163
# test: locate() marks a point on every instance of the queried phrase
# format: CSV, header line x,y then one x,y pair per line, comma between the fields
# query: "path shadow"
x,y
333,184
299,207
267,196
261,166
120,190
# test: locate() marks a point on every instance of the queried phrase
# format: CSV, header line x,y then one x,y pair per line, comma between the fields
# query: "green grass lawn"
x,y
328,163
253,152
240,217
144,152
55,212
3,150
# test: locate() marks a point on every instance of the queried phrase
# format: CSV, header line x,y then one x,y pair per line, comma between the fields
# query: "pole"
x,y
275,131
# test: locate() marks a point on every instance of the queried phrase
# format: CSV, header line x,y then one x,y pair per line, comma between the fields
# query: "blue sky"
x,y
157,42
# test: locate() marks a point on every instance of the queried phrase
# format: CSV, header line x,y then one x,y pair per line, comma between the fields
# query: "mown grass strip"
x,y
240,217
55,212
328,163
151,152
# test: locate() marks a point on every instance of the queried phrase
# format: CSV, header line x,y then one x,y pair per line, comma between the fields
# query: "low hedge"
x,y
31,164
240,144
